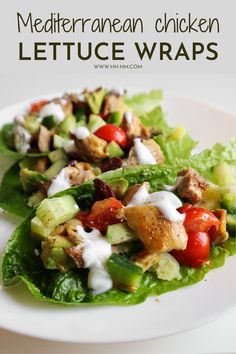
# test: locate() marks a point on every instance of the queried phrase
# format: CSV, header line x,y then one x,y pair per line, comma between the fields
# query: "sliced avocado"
x,y
49,122
95,122
55,211
56,155
55,168
28,162
223,174
119,187
29,179
125,274
231,224
38,230
119,233
53,255
95,99
114,150
35,199
31,123
115,118
228,202
68,124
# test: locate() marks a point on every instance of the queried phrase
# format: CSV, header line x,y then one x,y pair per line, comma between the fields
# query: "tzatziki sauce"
x,y
59,183
52,109
143,154
166,202
81,133
96,251
128,116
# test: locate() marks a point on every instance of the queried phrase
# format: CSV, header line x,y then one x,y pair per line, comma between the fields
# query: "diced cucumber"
x,y
38,230
55,168
68,124
95,122
231,225
223,174
28,162
114,150
56,155
49,122
54,211
53,255
58,141
119,233
31,123
125,274
82,123
228,202
119,186
95,99
115,118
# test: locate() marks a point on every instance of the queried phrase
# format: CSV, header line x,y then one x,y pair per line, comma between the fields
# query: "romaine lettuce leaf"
x,y
155,119
144,102
4,148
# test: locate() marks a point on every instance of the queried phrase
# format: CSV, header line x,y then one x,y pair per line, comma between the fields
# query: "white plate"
x,y
172,312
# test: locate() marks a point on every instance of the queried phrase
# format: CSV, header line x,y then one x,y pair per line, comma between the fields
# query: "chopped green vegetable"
x,y
95,122
119,233
95,99
29,179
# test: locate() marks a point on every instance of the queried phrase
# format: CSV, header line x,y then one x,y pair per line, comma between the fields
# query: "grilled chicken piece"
x,y
220,235
79,173
44,139
156,233
146,260
91,149
68,229
134,129
113,103
76,253
191,187
41,164
131,192
153,147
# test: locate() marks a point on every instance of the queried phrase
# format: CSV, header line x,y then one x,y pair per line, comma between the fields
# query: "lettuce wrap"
x,y
28,180
21,259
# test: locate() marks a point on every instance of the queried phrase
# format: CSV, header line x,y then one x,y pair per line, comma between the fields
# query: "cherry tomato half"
x,y
197,250
111,132
36,106
184,208
103,213
199,219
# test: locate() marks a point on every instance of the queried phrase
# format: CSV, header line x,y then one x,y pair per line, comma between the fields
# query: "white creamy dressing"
x,y
81,133
19,119
52,109
22,138
96,252
59,183
166,202
128,117
169,188
143,154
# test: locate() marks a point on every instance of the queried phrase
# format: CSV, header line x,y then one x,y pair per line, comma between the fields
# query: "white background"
x,y
217,337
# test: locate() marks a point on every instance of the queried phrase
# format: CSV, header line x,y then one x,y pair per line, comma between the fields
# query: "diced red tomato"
x,y
111,132
199,219
36,106
184,208
103,213
197,250
103,116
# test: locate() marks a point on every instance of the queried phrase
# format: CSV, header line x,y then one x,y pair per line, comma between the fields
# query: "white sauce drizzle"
x,y
166,202
52,109
96,251
22,139
59,183
143,154
128,117
81,133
